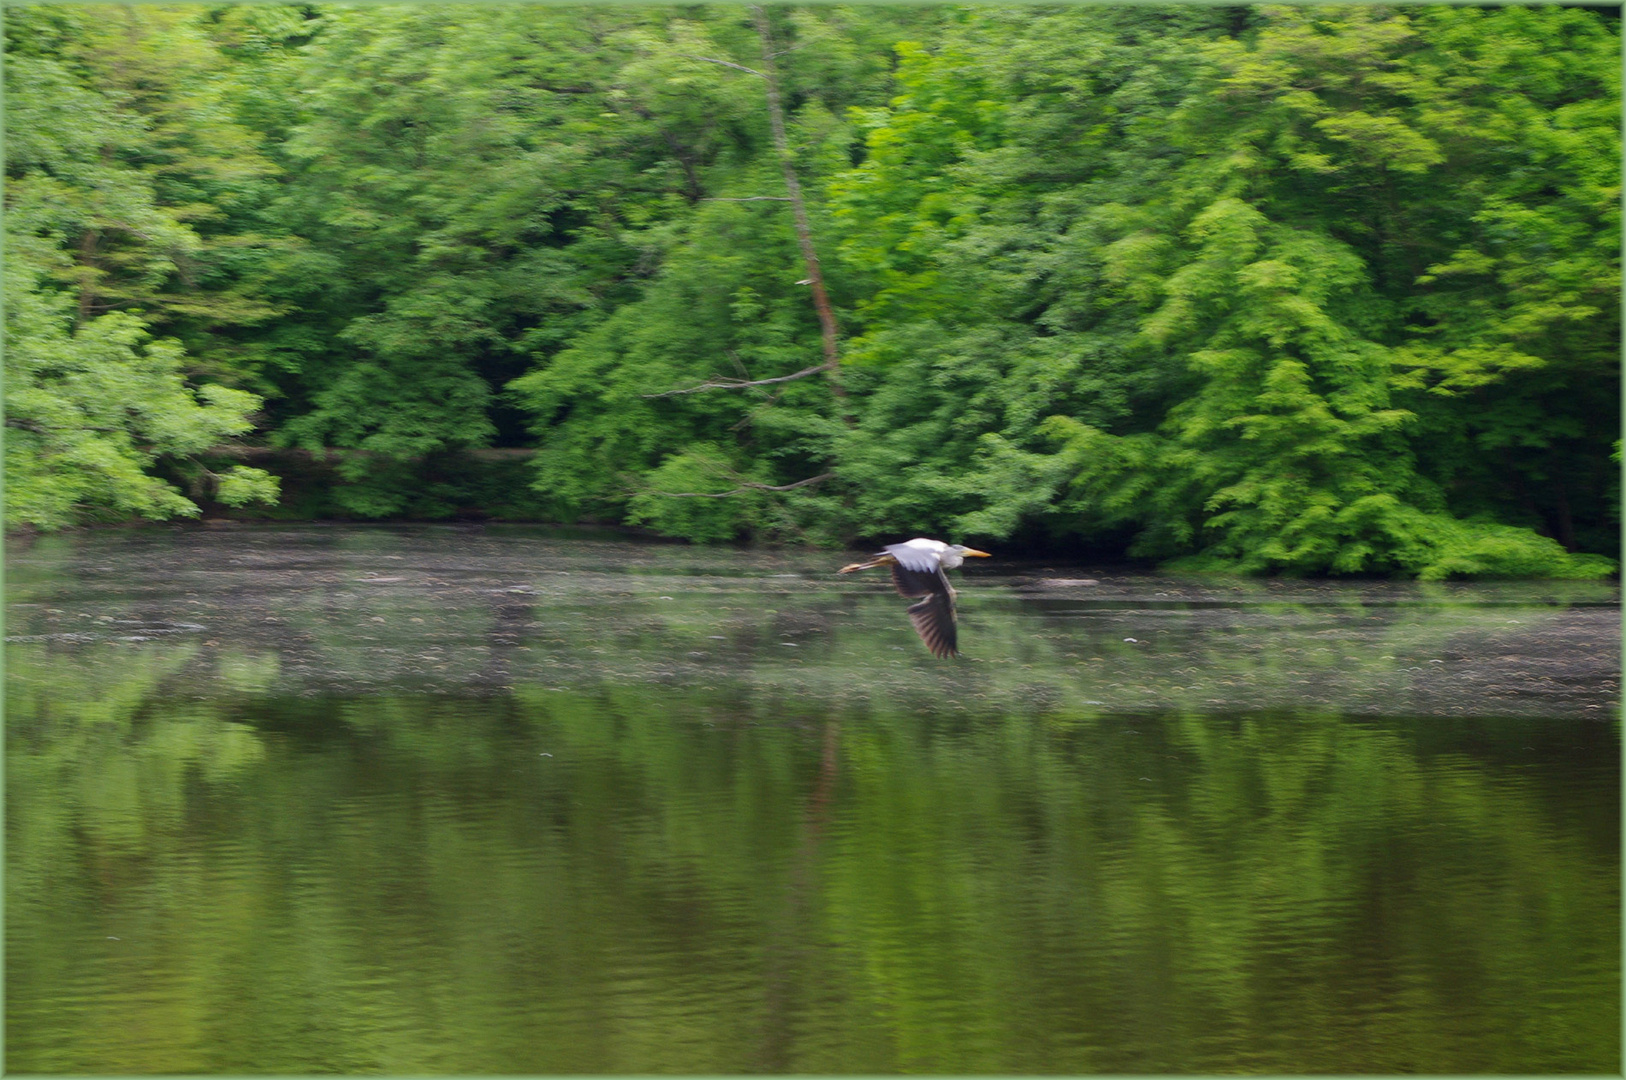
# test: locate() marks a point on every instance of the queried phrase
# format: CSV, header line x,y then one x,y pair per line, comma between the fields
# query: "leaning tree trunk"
x,y
804,235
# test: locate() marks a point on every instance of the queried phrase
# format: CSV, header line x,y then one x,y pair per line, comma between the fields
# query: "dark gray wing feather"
x,y
934,622
933,616
917,583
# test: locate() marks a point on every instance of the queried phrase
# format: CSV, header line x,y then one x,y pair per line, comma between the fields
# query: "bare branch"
x,y
725,63
735,384
564,89
743,487
47,429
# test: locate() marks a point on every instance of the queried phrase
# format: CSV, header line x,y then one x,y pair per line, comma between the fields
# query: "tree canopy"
x,y
1266,289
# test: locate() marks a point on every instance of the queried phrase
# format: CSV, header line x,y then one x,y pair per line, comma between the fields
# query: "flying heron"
x,y
917,570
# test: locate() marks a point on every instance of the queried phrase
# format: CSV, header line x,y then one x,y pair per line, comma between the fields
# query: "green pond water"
x,y
512,800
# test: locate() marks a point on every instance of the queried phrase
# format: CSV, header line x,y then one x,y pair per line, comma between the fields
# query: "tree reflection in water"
x,y
279,845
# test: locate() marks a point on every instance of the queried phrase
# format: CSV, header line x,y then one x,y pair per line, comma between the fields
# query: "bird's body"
x,y
917,571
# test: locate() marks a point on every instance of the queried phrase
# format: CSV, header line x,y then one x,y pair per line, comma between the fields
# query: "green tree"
x,y
623,424
1303,290
475,183
93,403
1364,133
977,231
1273,267
189,250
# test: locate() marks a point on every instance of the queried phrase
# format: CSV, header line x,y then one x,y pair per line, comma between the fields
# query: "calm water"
x,y
508,800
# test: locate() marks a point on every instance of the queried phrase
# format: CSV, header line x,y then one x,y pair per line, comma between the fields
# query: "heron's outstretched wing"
x,y
934,622
933,616
917,583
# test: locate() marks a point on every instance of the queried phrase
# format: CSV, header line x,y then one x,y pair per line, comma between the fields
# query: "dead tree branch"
x,y
743,487
736,384
727,64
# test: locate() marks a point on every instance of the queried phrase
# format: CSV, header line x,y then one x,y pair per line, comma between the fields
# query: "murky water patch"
x,y
114,630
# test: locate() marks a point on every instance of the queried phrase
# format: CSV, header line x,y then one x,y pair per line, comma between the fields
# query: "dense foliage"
x,y
1284,289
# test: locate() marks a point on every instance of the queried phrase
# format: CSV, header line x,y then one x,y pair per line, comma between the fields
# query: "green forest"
x,y
1305,290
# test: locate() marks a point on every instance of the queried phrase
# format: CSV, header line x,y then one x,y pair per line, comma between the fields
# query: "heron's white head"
x,y
956,554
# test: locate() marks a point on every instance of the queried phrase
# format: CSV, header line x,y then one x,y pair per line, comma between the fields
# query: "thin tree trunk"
x,y
87,260
804,236
1565,520
92,237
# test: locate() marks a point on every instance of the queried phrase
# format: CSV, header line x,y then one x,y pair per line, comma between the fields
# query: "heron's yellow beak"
x,y
978,554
